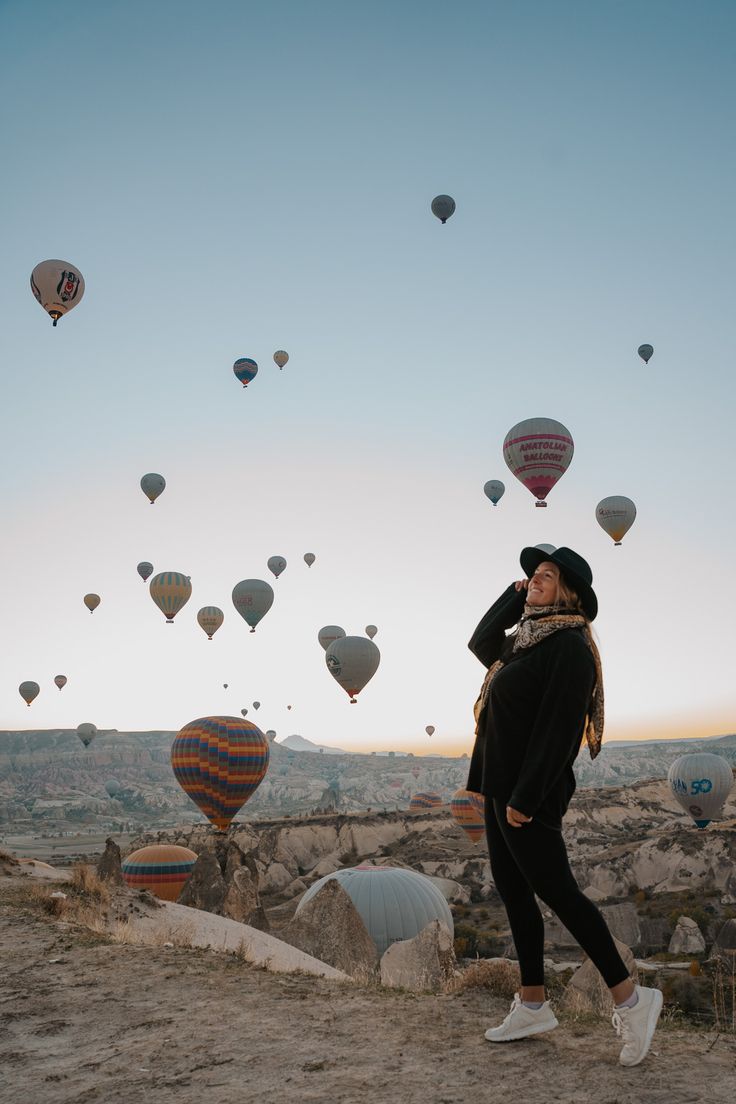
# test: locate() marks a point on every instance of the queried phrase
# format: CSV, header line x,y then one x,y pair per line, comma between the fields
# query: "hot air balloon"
x,y
423,800
352,661
701,782
276,565
615,515
58,286
86,733
494,490
152,486
548,548
162,869
309,558
429,730
538,452
252,599
271,734
245,370
170,591
219,762
91,601
28,691
443,206
329,633
60,681
393,903
281,357
370,631
288,707
244,712
210,618
144,569
645,352
113,787
468,810
256,705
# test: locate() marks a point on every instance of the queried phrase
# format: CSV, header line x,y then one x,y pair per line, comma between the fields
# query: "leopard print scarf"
x,y
537,623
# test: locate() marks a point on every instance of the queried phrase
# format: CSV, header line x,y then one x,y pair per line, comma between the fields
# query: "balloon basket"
x,y
540,503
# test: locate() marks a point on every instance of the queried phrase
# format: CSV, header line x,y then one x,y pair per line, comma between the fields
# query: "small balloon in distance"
x,y
245,370
58,286
281,357
646,352
443,207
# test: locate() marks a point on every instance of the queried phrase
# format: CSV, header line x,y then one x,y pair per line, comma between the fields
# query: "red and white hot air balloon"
x,y
538,452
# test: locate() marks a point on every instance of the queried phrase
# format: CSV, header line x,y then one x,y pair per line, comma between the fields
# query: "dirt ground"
x,y
84,1020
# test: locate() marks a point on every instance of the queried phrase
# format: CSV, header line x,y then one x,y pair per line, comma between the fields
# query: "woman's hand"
x,y
515,818
522,584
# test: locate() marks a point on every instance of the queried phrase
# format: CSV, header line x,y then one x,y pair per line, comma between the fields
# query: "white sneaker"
x,y
636,1025
522,1021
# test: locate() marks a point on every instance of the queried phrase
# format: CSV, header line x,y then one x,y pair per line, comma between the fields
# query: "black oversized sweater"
x,y
530,732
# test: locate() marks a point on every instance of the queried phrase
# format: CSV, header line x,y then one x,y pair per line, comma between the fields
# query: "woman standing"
x,y
542,695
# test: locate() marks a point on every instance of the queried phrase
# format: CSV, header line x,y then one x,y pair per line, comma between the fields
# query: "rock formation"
x,y
422,964
330,928
687,938
586,990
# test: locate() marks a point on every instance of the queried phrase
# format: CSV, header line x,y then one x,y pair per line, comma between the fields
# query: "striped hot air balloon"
x,y
161,868
425,799
538,452
245,370
170,591
210,618
219,762
468,811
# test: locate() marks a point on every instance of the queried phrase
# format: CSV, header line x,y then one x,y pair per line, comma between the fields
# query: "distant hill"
x,y
301,743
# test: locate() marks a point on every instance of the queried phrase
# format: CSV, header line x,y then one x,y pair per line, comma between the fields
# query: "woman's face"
x,y
542,589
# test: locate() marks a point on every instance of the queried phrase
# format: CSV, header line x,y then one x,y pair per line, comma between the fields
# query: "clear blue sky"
x,y
236,178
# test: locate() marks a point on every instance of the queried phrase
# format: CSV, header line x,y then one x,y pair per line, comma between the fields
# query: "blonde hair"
x,y
567,597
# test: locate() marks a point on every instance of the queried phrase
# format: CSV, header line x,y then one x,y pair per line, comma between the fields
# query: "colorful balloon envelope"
x,y
220,762
615,515
252,599
425,799
352,661
58,286
163,869
281,357
145,569
370,631
494,490
91,601
429,730
170,591
152,486
60,681
245,370
701,782
646,352
468,811
328,634
86,733
443,207
210,618
276,564
309,558
28,691
538,452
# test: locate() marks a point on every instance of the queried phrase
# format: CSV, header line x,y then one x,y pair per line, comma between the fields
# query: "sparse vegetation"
x,y
498,976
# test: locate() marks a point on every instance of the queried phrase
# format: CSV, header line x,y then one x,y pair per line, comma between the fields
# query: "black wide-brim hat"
x,y
573,568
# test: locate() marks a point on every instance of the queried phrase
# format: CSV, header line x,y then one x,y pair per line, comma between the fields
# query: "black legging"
x,y
533,859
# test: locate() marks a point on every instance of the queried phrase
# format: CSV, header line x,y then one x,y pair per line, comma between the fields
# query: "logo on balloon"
x,y
333,663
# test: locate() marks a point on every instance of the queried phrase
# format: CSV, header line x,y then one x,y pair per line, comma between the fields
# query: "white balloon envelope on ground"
x,y
701,782
352,661
328,634
152,485
538,452
443,206
494,490
58,286
276,564
252,599
393,903
615,515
